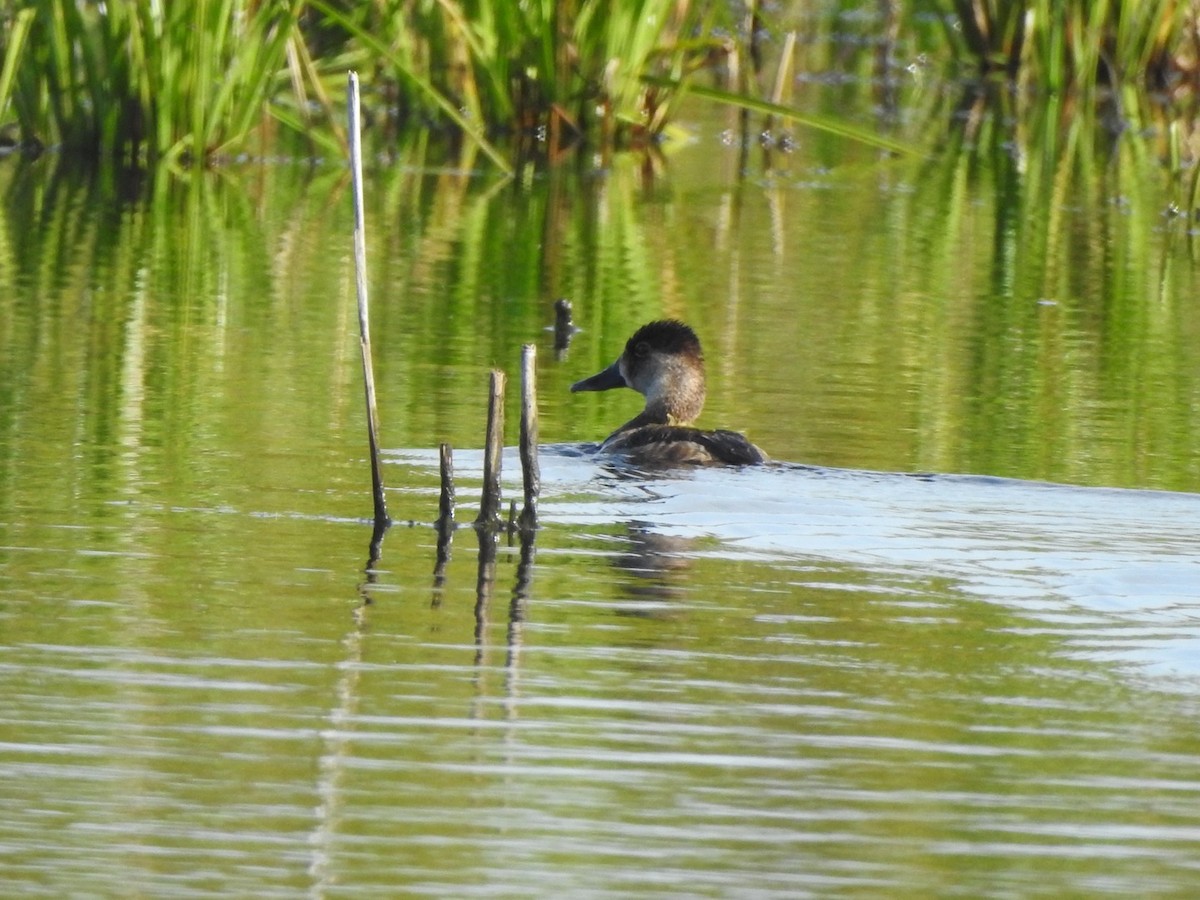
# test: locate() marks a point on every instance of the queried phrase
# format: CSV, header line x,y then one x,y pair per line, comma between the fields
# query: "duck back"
x,y
666,445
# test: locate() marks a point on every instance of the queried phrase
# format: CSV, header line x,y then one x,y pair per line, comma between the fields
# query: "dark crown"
x,y
664,336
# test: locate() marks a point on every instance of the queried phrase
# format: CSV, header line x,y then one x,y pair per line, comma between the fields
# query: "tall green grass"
x,y
147,79
545,73
180,81
150,79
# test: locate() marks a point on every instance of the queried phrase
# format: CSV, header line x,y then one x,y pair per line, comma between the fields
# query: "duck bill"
x,y
601,381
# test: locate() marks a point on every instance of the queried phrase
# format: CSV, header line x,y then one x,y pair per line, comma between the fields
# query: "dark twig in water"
x,y
360,278
530,471
489,504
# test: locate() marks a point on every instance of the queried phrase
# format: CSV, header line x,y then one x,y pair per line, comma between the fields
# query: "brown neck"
x,y
673,388
659,412
646,417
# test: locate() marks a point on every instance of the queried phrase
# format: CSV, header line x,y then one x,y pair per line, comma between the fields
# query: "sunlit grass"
x,y
180,81
149,80
542,74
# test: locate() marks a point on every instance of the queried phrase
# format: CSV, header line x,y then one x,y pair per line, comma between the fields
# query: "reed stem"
x,y
445,522
446,497
489,504
530,472
360,282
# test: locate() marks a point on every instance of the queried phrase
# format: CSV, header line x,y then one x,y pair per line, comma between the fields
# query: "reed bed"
x,y
547,72
180,81
1079,44
172,81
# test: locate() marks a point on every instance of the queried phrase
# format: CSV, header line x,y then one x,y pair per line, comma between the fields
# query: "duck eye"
x,y
642,348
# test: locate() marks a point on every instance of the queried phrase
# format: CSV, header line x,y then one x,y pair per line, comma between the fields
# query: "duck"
x,y
663,361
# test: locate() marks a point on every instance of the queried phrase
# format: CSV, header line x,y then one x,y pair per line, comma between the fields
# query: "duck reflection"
x,y
655,562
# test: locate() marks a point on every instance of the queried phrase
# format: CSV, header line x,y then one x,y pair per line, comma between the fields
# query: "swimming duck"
x,y
664,363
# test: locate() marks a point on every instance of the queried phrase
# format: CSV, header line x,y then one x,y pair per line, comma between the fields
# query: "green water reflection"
x,y
971,312
198,698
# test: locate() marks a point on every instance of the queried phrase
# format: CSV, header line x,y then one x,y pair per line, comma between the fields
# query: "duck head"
x,y
664,363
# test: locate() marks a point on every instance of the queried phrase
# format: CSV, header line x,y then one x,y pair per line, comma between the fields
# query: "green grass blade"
x,y
13,47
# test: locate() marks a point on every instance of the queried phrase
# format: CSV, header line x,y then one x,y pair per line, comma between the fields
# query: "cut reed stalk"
x,y
360,282
489,503
445,522
530,472
446,495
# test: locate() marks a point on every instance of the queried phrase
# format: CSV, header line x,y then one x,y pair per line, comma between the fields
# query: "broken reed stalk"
x,y
530,472
445,522
446,497
360,280
489,504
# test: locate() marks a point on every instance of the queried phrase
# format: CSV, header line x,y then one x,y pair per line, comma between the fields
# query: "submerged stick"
x,y
489,504
530,471
364,330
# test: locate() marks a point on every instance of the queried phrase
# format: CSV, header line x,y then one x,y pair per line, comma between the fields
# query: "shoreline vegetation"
x,y
140,83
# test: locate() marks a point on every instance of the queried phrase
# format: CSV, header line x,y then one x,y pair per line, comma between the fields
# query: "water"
x,y
832,676
883,682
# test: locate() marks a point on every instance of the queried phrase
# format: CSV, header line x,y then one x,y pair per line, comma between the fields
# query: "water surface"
x,y
837,675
